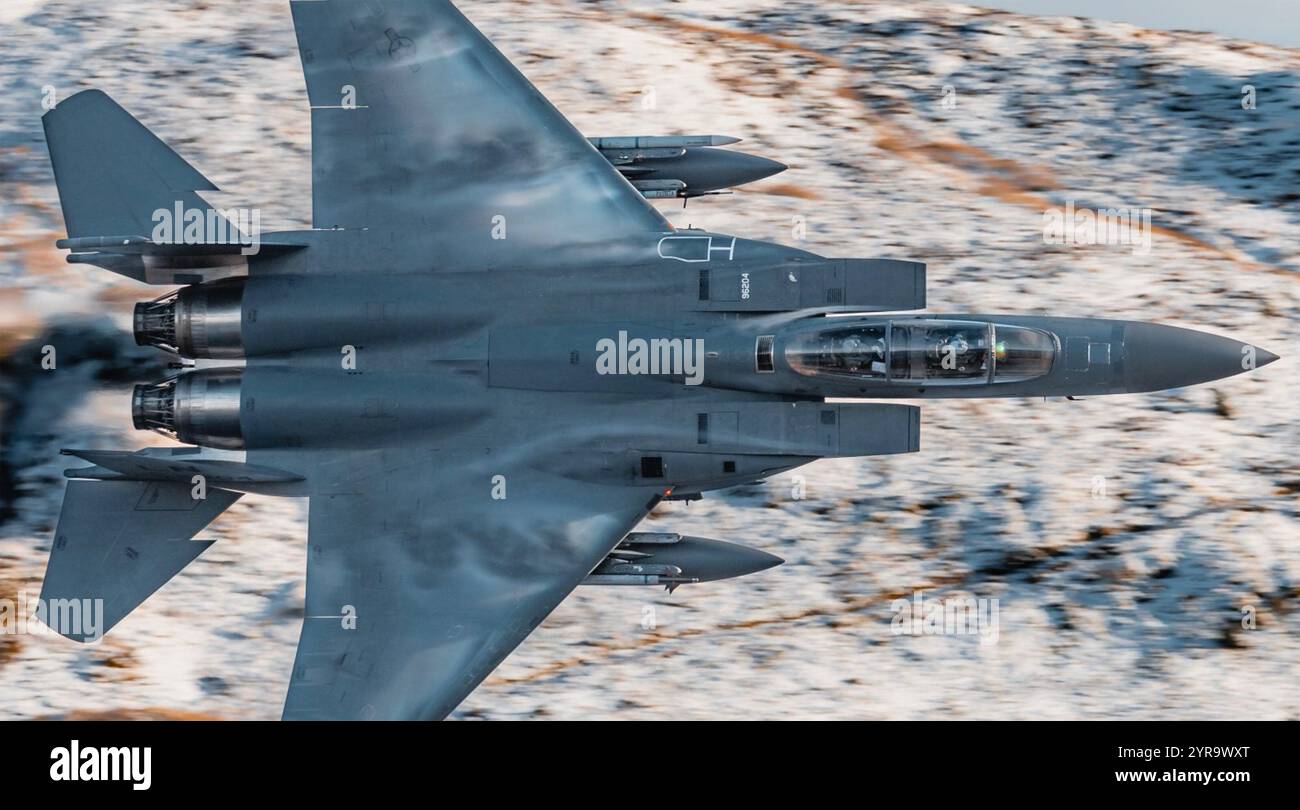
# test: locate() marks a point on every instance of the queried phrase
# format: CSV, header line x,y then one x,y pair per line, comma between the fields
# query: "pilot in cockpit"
x,y
950,352
863,352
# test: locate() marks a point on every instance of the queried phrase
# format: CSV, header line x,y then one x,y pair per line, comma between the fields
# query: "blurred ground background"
x,y
1124,604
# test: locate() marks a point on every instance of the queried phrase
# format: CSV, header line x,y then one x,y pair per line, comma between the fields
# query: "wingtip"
x,y
80,96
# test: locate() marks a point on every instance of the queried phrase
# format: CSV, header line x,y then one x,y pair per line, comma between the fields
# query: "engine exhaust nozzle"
x,y
198,407
202,322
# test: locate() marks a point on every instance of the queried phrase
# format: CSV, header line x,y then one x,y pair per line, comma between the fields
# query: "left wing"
x,y
420,582
424,134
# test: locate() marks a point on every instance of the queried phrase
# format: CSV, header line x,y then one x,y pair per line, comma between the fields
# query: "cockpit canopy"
x,y
931,352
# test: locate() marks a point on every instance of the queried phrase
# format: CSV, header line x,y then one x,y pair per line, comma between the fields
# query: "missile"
x,y
662,141
662,558
659,189
685,166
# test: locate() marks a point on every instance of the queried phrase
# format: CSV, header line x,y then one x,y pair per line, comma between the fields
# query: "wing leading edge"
x,y
421,129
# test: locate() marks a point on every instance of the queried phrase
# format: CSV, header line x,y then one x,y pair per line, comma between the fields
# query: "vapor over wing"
x,y
419,584
423,133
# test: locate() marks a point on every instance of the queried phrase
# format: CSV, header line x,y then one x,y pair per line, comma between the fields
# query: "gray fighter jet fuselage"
x,y
638,355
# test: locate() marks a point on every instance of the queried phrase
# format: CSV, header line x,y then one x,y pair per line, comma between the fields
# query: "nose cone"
x,y
1159,357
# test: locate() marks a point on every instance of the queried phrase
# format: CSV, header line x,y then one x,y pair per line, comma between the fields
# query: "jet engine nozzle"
x,y
198,407
204,321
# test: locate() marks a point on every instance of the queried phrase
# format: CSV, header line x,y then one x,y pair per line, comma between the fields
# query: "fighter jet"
x,y
487,362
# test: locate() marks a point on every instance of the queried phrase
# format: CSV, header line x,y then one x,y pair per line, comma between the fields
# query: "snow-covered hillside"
x,y
1123,537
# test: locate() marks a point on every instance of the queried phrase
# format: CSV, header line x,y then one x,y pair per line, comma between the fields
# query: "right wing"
x,y
422,130
420,582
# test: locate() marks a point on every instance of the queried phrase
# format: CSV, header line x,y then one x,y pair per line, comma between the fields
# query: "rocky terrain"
x,y
1124,538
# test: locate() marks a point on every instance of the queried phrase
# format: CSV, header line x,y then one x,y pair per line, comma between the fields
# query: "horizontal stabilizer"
x,y
148,465
117,542
113,174
144,246
125,265
166,263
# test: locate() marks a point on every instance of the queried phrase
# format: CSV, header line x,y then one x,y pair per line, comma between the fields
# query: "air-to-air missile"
x,y
664,558
670,166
